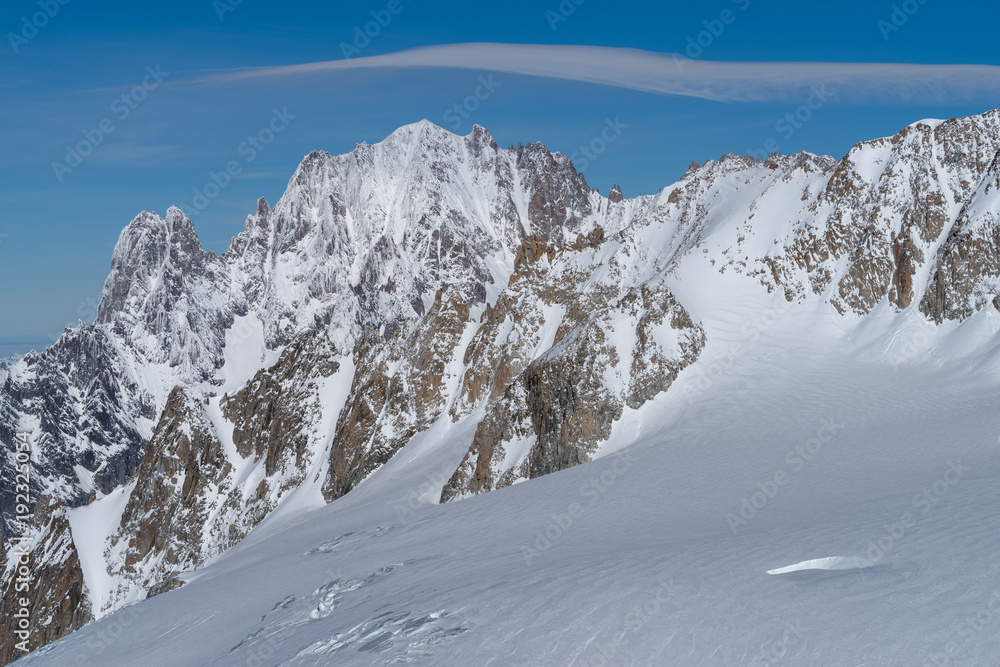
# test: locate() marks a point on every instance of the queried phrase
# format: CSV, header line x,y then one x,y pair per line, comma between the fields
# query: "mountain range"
x,y
479,311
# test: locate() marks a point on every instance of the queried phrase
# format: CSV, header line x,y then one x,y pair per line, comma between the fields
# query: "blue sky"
x,y
64,74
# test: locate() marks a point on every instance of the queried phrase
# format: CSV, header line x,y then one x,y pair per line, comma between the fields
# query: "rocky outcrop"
x,y
657,359
400,388
967,272
166,520
510,333
89,412
269,413
44,596
909,218
194,497
550,403
559,199
552,417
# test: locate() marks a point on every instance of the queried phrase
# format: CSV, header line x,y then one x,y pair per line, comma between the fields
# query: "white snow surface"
x,y
91,527
636,558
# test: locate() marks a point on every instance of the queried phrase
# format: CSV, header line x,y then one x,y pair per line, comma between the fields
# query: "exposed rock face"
x,y
499,352
657,359
967,273
164,524
550,411
268,414
89,414
558,410
194,497
51,583
902,218
400,389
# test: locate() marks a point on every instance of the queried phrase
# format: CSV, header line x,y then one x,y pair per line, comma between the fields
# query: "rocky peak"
x,y
470,282
151,254
894,220
803,160
420,133
263,209
480,138
559,197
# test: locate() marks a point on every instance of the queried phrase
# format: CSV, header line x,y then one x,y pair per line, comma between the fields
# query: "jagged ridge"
x,y
453,279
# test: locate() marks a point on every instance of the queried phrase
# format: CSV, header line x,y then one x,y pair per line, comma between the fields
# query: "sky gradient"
x,y
165,94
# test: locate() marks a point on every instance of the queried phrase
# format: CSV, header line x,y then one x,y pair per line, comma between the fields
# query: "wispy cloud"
x,y
674,75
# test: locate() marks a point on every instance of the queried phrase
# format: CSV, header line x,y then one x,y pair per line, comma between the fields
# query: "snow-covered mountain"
x,y
478,311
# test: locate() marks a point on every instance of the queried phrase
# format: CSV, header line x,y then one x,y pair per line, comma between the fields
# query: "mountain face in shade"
x,y
434,279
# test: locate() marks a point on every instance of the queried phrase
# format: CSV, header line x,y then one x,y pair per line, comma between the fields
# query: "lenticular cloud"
x,y
669,74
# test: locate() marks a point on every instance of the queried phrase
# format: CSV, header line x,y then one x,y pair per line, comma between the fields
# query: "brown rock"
x,y
56,595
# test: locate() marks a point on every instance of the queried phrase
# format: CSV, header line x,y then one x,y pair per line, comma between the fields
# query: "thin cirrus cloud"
x,y
666,74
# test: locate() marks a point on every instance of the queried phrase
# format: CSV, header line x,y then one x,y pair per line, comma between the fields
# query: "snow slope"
x,y
91,527
649,555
